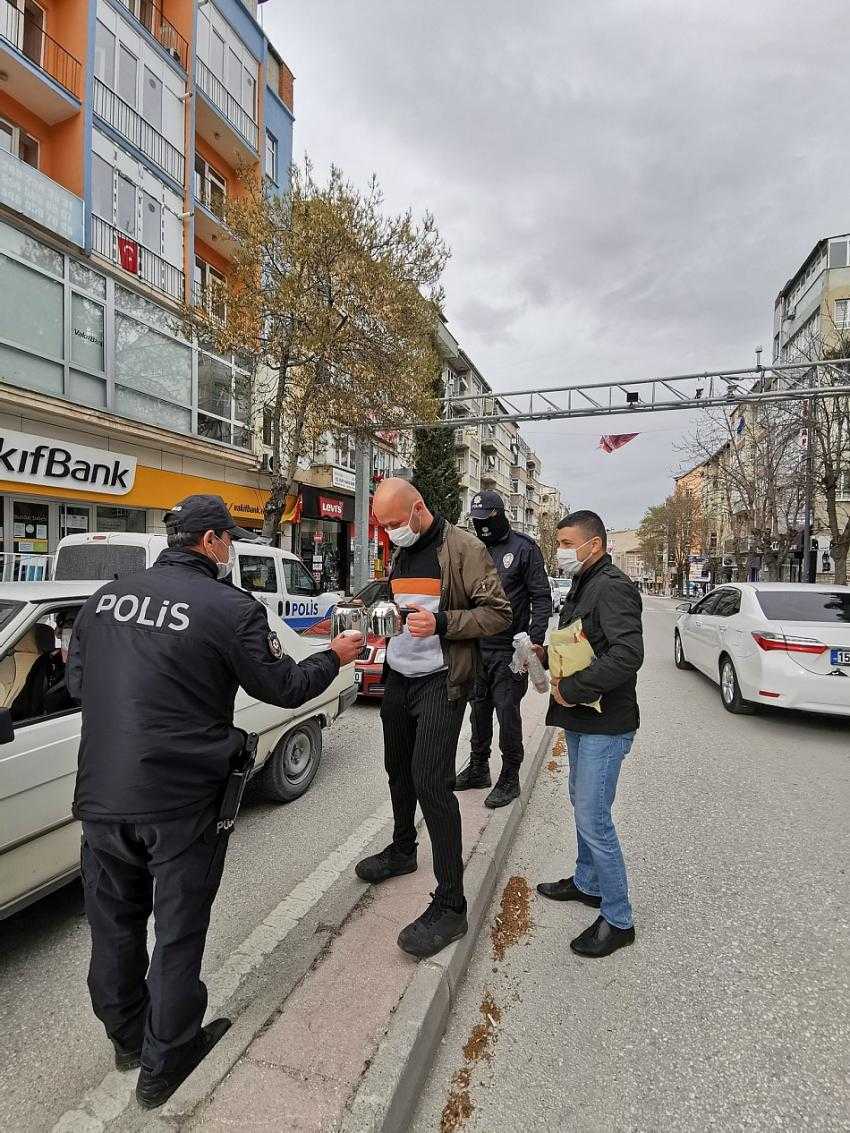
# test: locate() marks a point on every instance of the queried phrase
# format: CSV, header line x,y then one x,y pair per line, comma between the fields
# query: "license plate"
x,y
358,677
839,657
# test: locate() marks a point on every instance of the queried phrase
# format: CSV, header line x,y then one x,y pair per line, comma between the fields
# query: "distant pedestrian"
x,y
444,579
609,606
522,572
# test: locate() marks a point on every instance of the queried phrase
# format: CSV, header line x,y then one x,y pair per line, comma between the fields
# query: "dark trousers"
x,y
497,687
130,870
421,730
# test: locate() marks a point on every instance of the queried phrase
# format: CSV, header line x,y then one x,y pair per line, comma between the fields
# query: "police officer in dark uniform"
x,y
522,572
156,659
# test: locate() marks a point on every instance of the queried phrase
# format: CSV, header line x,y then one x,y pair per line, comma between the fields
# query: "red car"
x,y
369,666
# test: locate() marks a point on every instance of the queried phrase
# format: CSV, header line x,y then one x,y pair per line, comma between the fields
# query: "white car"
x,y
778,643
556,594
39,840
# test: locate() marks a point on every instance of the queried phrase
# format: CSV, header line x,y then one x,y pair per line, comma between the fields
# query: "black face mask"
x,y
493,529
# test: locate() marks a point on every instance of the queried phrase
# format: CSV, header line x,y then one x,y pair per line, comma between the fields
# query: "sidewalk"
x,y
304,1068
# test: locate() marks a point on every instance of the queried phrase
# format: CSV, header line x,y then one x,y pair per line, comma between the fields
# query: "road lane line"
x,y
107,1100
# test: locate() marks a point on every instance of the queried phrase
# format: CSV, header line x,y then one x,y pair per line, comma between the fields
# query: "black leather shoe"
x,y
473,777
127,1059
154,1090
434,930
504,793
602,938
388,863
567,890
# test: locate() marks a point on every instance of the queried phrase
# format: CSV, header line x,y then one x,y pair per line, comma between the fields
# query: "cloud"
x,y
625,186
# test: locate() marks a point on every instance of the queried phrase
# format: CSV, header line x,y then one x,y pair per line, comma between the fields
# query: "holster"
x,y
237,780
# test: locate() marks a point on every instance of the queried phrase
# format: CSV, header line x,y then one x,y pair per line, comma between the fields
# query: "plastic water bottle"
x,y
525,660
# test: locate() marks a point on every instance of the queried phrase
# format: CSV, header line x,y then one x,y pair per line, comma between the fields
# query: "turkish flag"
x,y
128,254
613,441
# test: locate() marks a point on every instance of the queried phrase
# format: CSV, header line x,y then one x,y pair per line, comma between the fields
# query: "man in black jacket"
x,y
522,573
609,606
156,659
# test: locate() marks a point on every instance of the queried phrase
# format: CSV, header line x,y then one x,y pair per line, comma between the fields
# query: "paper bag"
x,y
569,653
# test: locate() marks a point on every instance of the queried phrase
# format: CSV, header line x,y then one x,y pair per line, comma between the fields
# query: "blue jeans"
x,y
600,870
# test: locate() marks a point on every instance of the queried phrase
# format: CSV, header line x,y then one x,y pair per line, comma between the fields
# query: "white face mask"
x,y
403,536
568,560
225,568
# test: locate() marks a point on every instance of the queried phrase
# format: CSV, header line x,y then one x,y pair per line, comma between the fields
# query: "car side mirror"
x,y
685,607
7,728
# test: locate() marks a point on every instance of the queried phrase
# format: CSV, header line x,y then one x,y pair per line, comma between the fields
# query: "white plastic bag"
x,y
525,660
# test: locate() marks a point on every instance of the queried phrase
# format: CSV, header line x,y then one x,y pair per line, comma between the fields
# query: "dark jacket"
x,y
522,573
609,605
472,605
156,659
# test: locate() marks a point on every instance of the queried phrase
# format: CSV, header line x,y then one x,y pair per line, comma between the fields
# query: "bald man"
x,y
447,587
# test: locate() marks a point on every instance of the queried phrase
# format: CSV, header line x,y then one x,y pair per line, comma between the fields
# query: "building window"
x,y
271,157
843,491
128,71
104,54
838,254
120,519
125,206
209,289
152,100
223,402
344,455
842,313
18,142
210,186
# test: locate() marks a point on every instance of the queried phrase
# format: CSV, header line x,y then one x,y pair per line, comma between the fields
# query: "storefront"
x,y
51,488
322,538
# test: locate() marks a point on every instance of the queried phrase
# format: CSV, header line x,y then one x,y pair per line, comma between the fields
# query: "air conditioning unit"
x,y
267,463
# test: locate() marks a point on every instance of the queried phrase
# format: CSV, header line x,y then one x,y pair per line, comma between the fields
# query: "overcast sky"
x,y
625,186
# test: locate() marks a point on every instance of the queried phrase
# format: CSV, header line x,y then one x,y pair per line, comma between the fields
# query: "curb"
x,y
386,1096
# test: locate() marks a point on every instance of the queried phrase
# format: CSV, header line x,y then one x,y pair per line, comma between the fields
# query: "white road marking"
x,y
107,1100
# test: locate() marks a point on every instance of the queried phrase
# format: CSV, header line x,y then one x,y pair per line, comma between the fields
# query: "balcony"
x,y
488,441
210,205
136,259
211,299
40,74
222,122
131,125
149,15
34,195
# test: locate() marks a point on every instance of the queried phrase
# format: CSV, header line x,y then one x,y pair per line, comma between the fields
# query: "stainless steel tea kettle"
x,y
349,616
386,619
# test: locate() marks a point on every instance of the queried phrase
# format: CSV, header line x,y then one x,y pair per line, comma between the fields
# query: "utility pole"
x,y
808,517
362,484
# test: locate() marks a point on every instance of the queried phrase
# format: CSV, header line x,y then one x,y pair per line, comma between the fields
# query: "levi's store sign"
x,y
25,459
330,509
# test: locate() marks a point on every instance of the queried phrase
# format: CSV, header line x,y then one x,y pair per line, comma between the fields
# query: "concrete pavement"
x,y
731,1010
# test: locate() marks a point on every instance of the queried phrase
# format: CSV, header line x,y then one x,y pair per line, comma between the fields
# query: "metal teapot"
x,y
386,619
349,616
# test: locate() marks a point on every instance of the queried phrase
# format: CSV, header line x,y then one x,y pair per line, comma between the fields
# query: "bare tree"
x,y
337,304
670,533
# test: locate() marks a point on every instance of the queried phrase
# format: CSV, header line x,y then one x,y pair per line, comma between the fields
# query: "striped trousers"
x,y
421,732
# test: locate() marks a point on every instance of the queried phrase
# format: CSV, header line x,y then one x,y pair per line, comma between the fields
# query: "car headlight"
x,y
380,656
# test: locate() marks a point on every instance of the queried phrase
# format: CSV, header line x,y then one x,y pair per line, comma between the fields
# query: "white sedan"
x,y
39,840
779,643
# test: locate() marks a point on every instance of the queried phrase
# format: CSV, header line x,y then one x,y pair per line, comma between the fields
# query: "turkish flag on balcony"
x,y
128,254
613,441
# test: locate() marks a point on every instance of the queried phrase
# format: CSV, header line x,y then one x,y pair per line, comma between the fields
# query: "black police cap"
x,y
197,514
485,503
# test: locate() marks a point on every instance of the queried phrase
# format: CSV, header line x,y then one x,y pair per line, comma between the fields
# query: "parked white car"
x,y
556,594
777,643
277,578
39,840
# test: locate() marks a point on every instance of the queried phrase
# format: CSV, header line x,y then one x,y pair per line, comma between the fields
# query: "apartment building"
x,y
493,455
815,302
625,550
122,126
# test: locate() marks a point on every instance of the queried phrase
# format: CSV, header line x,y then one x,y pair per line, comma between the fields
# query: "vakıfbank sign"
x,y
25,459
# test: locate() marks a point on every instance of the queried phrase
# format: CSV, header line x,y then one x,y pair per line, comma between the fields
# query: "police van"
x,y
276,578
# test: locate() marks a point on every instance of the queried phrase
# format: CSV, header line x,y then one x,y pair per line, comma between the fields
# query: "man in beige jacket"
x,y
444,581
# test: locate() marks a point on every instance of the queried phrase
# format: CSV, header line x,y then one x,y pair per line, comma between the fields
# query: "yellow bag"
x,y
569,653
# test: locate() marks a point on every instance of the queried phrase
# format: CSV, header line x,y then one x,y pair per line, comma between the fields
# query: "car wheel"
x,y
292,766
679,653
730,690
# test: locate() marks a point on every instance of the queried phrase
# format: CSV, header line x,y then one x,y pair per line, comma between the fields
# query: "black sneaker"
x,y
438,927
154,1090
388,863
567,890
504,793
127,1059
601,939
473,777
